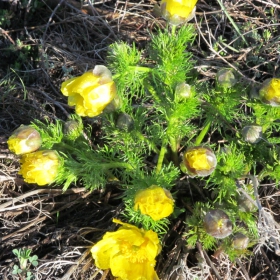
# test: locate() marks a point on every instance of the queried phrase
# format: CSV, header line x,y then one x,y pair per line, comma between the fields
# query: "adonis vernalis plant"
x,y
160,125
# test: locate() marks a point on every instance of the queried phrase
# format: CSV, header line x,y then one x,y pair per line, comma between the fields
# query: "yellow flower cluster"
x,y
200,161
40,167
91,92
129,252
178,11
270,92
155,202
24,139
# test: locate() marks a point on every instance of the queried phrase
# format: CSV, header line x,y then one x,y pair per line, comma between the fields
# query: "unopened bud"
x,y
72,129
217,223
240,241
125,122
24,139
245,204
183,90
226,78
252,133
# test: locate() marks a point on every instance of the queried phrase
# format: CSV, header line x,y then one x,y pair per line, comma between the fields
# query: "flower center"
x,y
135,254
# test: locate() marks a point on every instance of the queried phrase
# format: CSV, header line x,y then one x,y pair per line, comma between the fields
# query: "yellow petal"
x,y
103,250
179,8
155,202
24,139
91,92
121,267
129,252
40,167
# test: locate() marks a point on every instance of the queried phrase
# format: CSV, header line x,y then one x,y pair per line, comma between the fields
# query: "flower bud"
x,y
24,139
217,223
199,161
178,11
91,92
125,122
270,92
40,167
240,241
245,204
155,202
183,91
226,78
72,129
252,133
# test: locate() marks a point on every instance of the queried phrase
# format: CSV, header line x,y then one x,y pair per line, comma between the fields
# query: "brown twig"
x,y
209,262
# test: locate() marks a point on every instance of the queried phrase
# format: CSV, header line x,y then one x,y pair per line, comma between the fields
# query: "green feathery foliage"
x,y
51,133
145,221
141,140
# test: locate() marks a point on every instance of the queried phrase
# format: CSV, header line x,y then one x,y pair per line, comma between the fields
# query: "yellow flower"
x,y
200,161
270,92
40,167
178,11
91,92
24,139
129,252
155,202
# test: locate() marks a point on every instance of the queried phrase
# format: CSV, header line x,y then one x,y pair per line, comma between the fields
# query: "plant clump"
x,y
167,141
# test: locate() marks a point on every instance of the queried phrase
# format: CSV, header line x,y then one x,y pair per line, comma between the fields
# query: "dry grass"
x,y
62,38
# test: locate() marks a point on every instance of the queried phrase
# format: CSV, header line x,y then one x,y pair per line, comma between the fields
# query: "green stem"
x,y
113,165
203,132
263,173
174,145
105,165
149,142
265,127
62,146
162,153
152,91
173,30
140,68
